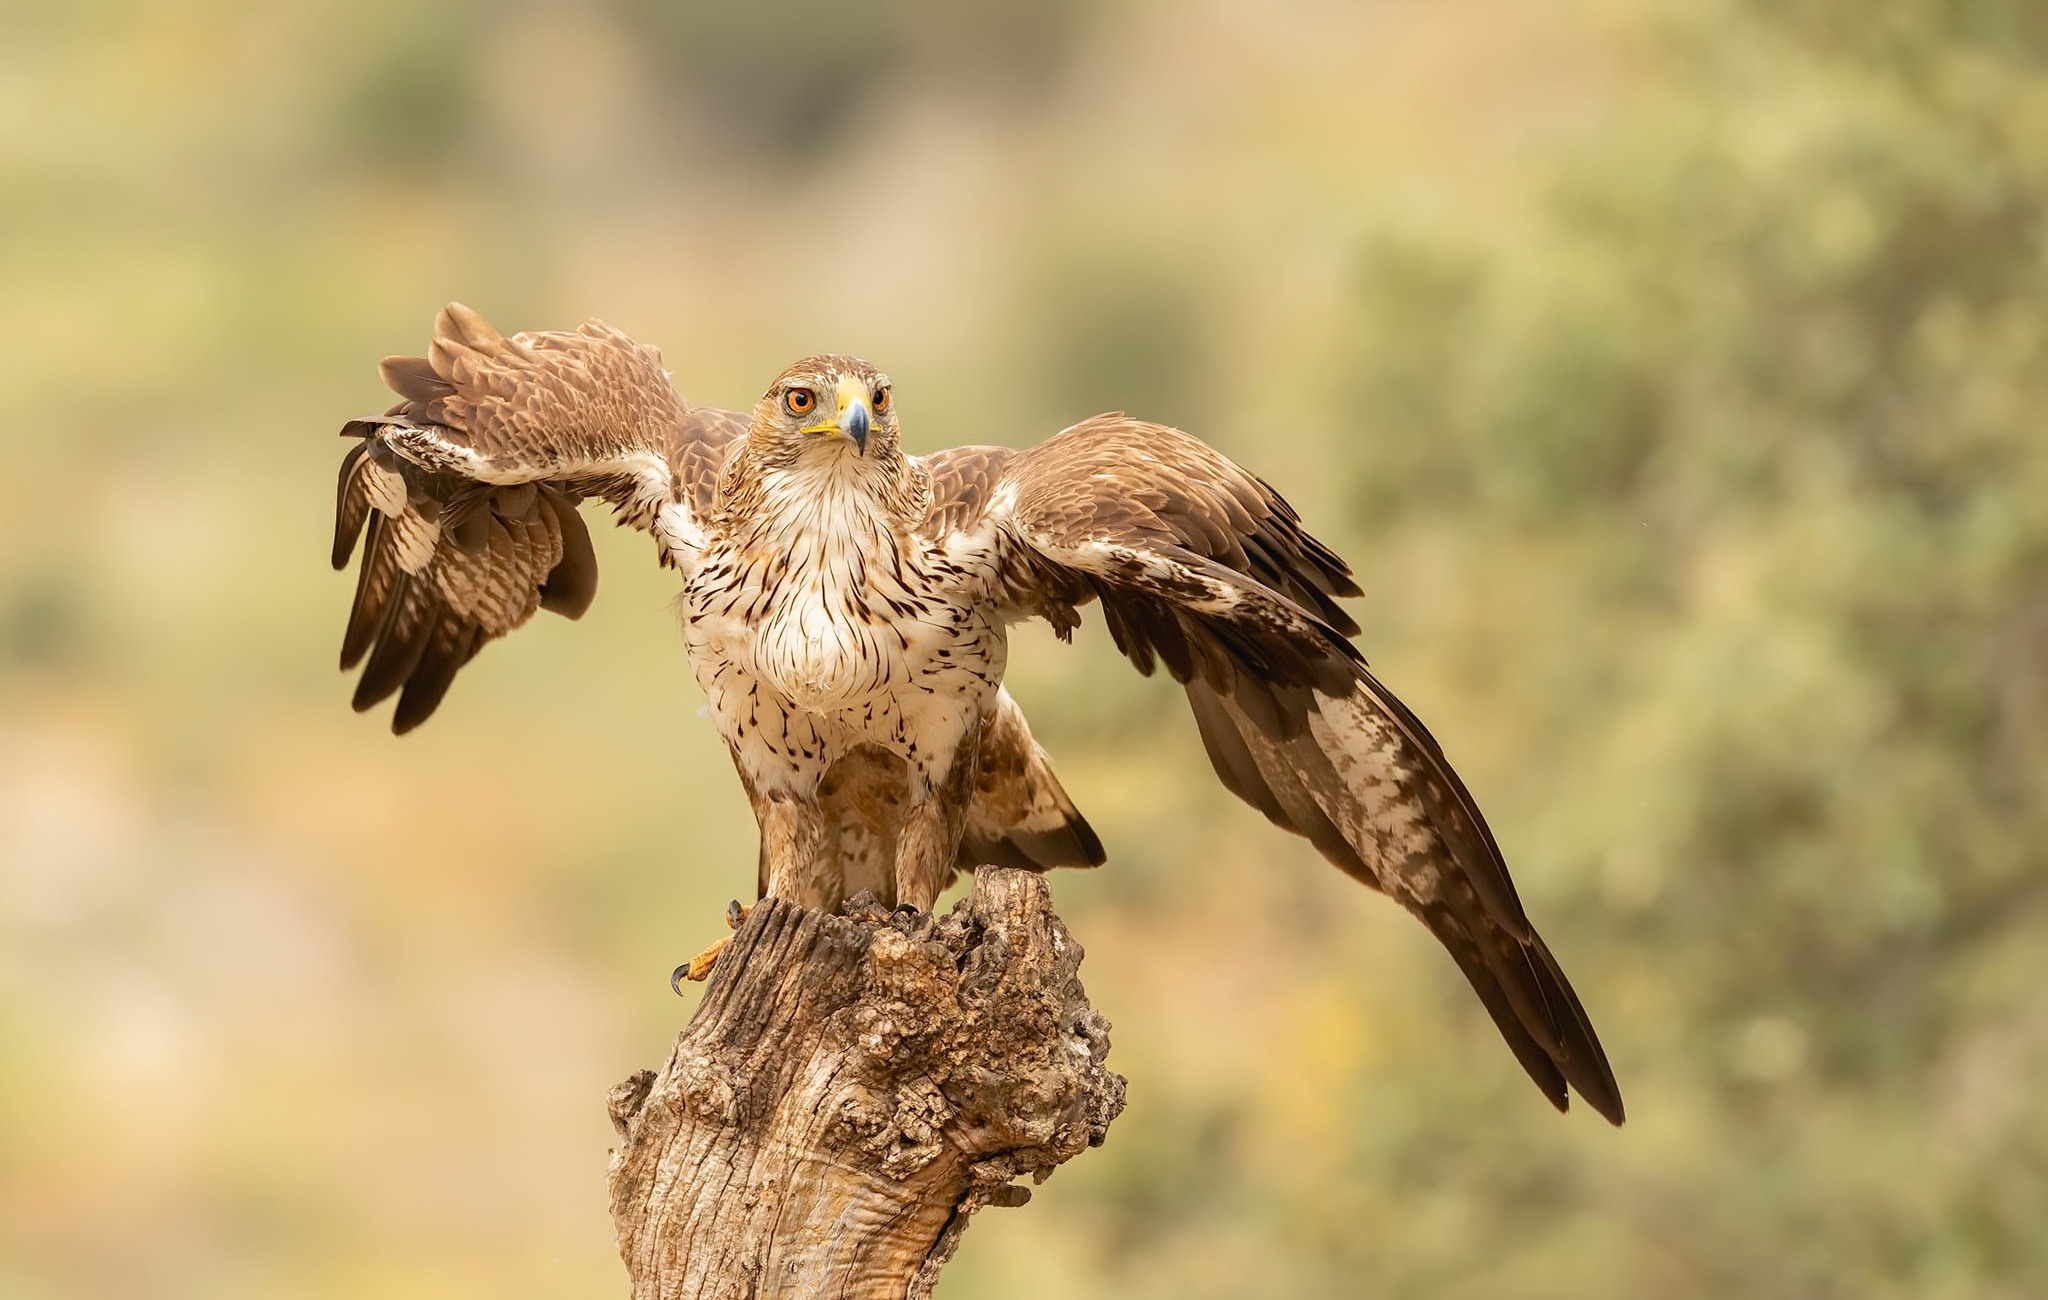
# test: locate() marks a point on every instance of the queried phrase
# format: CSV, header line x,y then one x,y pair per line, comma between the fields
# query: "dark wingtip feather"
x,y
349,509
454,644
363,620
572,584
1536,1062
406,632
1565,1051
1585,1061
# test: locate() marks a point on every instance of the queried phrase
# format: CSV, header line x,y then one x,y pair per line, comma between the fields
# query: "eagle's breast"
x,y
818,623
818,642
821,601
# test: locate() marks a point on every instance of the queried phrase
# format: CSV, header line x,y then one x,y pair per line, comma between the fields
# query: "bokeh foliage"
x,y
1768,377
1669,370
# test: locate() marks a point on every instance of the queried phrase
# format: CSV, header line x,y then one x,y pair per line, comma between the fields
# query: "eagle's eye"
x,y
799,401
881,399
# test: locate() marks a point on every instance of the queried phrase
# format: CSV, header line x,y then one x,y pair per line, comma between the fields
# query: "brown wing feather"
x,y
1366,785
469,487
1146,484
1204,568
963,478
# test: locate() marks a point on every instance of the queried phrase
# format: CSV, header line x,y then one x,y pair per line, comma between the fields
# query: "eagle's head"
x,y
830,405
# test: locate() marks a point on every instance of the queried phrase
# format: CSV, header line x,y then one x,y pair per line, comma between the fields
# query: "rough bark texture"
x,y
851,1090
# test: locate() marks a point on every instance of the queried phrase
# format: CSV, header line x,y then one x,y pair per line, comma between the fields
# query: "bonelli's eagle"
x,y
846,609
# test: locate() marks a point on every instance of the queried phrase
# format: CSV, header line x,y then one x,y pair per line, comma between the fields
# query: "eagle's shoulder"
x,y
964,480
705,441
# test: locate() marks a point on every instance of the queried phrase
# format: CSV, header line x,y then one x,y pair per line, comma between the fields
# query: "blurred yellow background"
x,y
1671,371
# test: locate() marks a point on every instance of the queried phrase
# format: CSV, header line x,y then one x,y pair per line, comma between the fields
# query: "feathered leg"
x,y
792,866
930,841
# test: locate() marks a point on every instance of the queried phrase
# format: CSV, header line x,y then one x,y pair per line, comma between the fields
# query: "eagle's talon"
x,y
698,968
735,914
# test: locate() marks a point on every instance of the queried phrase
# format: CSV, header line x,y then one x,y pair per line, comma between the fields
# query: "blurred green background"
x,y
1671,371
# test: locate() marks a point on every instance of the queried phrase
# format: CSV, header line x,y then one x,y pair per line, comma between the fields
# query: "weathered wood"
x,y
851,1090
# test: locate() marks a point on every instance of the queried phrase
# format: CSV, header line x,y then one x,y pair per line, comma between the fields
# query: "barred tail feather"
x,y
1021,816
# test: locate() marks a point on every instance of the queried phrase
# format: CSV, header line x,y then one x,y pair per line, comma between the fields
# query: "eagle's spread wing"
x,y
1202,566
469,488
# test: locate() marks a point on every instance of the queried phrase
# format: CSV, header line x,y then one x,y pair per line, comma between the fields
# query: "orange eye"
x,y
881,400
800,401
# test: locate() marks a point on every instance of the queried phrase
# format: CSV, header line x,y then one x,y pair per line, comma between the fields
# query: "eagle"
x,y
845,606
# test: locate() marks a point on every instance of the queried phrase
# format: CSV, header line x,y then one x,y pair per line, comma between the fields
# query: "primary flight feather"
x,y
846,609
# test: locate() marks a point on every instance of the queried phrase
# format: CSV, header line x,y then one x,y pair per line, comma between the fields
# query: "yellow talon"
x,y
698,968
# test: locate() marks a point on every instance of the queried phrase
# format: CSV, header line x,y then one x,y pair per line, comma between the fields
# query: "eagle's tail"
x,y
1021,817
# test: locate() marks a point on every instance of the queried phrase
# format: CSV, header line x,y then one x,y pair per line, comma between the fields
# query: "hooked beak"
x,y
854,417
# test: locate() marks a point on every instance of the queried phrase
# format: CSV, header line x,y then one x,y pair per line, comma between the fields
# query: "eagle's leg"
x,y
929,844
792,866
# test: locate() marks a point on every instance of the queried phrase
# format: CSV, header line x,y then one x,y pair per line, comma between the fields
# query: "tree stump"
x,y
851,1090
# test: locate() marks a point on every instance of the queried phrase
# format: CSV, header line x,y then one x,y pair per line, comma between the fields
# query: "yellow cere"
x,y
852,392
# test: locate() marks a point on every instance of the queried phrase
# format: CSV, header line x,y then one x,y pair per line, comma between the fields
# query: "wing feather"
x,y
374,582
400,638
466,492
1203,568
572,584
351,505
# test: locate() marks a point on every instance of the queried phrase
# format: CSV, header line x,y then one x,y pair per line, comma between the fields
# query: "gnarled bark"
x,y
851,1090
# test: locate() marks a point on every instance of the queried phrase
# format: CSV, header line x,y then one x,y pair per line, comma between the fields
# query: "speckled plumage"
x,y
845,610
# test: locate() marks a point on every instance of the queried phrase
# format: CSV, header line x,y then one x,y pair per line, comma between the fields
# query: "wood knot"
x,y
703,1089
880,1028
912,1138
627,1097
904,967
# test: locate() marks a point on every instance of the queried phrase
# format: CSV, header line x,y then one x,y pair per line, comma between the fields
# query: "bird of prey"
x,y
846,608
